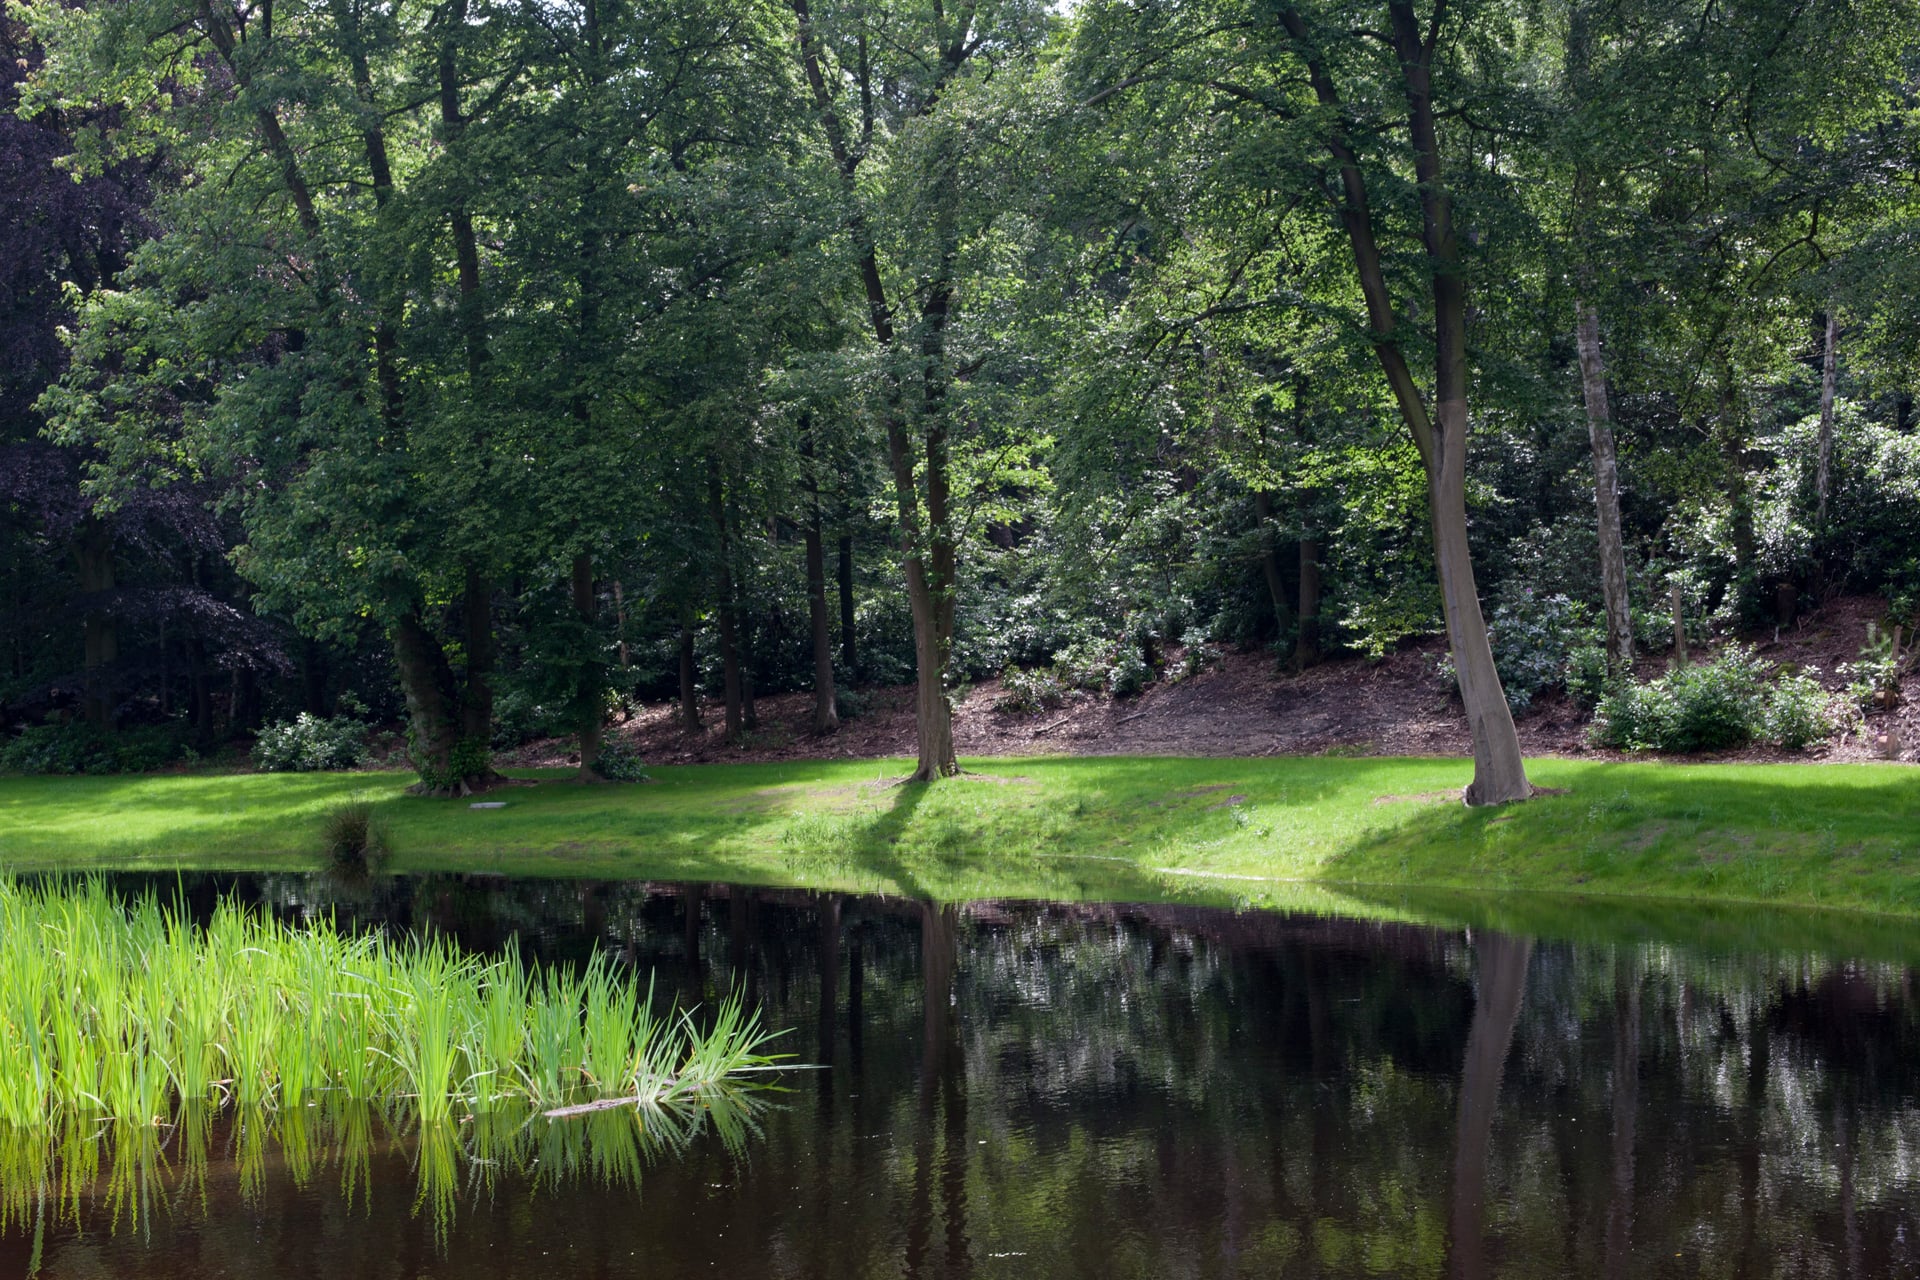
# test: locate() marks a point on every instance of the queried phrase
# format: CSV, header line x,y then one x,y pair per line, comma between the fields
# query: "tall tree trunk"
x,y
1822,475
1606,490
100,639
689,677
433,706
849,652
1270,559
589,696
1499,774
1306,649
927,547
826,717
1496,1011
724,615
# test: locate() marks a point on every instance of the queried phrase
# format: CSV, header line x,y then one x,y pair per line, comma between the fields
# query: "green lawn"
x,y
1300,832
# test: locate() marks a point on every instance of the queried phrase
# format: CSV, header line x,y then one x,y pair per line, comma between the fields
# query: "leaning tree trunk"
x,y
1499,774
1606,491
1822,476
589,700
1440,433
1496,1011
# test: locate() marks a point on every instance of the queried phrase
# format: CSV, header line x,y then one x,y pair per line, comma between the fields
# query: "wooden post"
x,y
1679,629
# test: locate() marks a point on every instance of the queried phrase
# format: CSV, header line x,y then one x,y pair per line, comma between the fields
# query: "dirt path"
x,y
1242,706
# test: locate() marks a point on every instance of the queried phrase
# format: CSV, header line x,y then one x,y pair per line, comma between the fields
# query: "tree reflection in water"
x,y
1021,1089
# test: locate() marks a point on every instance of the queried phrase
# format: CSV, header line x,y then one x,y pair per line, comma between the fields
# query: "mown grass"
x,y
1270,831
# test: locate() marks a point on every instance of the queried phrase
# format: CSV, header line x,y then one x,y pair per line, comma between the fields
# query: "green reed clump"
x,y
128,1012
354,838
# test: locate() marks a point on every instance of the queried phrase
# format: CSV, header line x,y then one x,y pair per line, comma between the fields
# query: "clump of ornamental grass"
x,y
354,837
128,1013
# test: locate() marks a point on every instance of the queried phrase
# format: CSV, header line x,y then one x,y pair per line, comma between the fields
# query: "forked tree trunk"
x,y
1306,649
1823,467
1440,433
826,717
1606,491
589,700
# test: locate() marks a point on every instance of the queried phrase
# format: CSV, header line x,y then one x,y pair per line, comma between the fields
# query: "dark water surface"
x,y
1018,1089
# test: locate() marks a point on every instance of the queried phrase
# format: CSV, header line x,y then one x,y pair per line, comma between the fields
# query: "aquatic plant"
x,y
354,837
128,1012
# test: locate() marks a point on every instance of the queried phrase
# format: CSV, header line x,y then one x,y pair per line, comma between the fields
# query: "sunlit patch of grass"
x,y
1112,828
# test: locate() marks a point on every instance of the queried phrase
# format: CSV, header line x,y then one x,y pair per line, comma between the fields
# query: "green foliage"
x,y
1537,640
1586,675
79,747
1715,705
308,743
132,1011
1029,692
1874,678
619,762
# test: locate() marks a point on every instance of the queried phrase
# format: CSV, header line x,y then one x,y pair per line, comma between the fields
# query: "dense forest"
x,y
487,365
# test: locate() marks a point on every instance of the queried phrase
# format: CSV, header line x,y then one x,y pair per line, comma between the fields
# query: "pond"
x,y
1032,1089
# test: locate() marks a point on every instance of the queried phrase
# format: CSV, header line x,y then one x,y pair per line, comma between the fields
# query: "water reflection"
x,y
1044,1090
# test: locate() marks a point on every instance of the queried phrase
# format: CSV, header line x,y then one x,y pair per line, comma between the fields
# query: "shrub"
x,y
78,747
1797,714
1029,692
307,744
1716,705
1586,675
619,762
850,703
1874,680
1534,640
1129,674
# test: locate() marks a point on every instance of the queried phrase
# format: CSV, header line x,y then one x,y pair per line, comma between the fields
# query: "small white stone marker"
x,y
488,804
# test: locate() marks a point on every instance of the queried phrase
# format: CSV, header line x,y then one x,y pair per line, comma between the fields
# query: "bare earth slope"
x,y
1242,706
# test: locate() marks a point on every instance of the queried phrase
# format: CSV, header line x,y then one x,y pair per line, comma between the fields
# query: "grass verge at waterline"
x,y
130,1013
1254,831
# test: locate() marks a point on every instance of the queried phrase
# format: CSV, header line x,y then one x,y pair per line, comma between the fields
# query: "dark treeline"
x,y
484,365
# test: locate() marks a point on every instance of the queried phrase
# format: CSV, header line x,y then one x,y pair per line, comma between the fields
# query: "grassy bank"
x,y
1277,831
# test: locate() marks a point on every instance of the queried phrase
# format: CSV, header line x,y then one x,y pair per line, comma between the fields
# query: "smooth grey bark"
x,y
1439,431
1606,489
